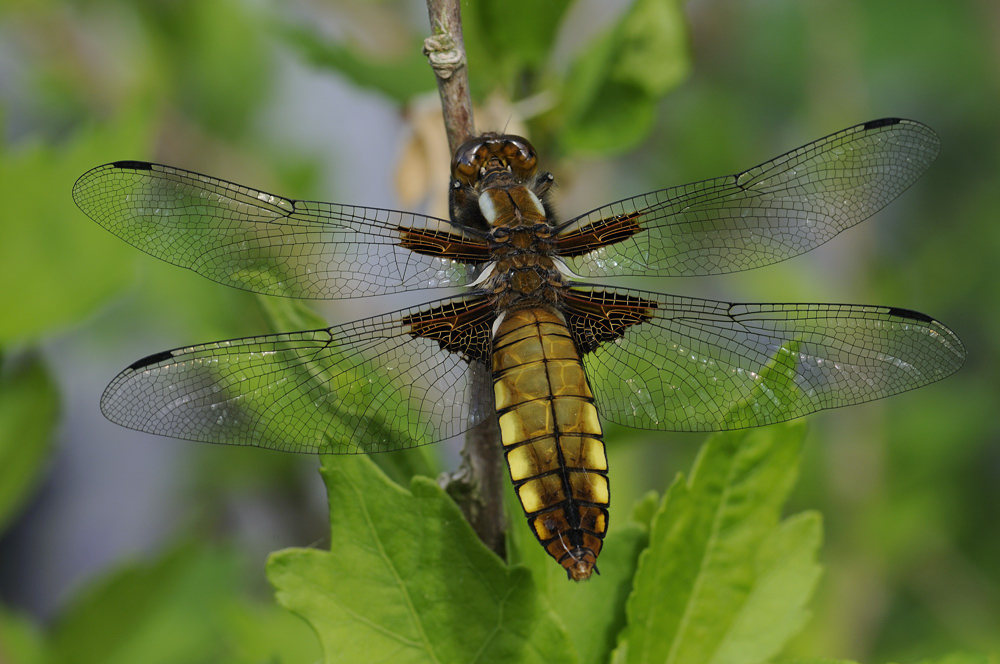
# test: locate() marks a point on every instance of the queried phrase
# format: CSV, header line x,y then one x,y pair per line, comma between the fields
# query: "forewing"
x,y
701,365
767,214
368,386
263,243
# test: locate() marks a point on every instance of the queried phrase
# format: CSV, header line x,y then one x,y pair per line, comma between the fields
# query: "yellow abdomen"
x,y
551,436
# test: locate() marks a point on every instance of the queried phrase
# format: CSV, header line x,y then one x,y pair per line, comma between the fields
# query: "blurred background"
x,y
333,101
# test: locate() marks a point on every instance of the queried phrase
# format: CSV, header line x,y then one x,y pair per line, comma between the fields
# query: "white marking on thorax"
x,y
487,208
563,268
539,208
487,273
496,323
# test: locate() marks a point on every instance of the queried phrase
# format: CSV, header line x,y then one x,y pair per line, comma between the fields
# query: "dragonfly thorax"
x,y
521,238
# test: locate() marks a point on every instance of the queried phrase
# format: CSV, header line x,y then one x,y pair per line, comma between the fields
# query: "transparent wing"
x,y
367,386
255,241
774,211
701,365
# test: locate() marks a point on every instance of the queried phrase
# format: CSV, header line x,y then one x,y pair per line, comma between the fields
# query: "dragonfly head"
x,y
490,156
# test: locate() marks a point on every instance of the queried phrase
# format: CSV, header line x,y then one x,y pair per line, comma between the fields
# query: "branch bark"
x,y
477,484
445,50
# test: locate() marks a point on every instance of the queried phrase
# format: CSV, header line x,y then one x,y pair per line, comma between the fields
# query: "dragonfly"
x,y
531,341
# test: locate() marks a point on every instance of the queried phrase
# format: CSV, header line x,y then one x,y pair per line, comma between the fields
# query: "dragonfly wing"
x,y
368,386
256,241
764,215
686,364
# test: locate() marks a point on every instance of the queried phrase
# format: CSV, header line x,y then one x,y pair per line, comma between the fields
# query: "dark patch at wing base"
x,y
598,234
442,244
596,317
462,327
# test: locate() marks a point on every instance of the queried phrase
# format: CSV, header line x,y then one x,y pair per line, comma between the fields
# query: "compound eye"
x,y
520,155
469,158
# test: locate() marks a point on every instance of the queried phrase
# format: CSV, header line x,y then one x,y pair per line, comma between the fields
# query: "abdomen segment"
x,y
551,436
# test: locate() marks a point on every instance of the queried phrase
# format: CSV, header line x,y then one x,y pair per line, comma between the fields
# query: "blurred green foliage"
x,y
398,79
21,640
29,408
613,89
908,488
185,607
51,298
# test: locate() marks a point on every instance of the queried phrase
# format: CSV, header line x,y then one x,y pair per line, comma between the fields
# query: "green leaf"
x,y
407,580
29,412
616,122
775,610
603,115
216,57
171,611
20,639
287,315
611,93
964,658
654,53
818,660
63,264
954,658
269,634
400,80
718,557
645,509
510,38
775,390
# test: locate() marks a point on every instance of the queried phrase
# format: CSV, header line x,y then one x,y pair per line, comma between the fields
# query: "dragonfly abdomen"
x,y
552,436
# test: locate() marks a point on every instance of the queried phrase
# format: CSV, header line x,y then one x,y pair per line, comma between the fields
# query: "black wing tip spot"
x,y
881,122
911,314
133,165
155,358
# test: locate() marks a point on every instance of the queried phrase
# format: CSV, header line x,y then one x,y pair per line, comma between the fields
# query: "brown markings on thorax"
x,y
521,239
